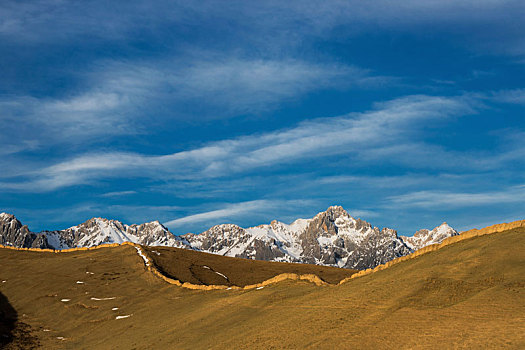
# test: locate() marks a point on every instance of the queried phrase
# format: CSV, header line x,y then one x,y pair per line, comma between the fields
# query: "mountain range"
x,y
331,238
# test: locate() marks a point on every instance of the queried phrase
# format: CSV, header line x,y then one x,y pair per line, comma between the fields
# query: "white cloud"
x,y
44,21
445,199
118,193
227,212
515,96
247,213
41,122
117,94
235,84
381,133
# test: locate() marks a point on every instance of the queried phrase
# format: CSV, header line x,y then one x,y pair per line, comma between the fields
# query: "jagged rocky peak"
x,y
13,233
335,221
6,217
330,220
218,239
425,237
223,230
276,225
9,222
335,238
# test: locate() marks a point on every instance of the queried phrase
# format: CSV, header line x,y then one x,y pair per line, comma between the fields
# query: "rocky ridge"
x,y
331,238
424,237
13,233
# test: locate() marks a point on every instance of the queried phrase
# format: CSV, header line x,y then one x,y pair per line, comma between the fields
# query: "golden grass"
x,y
469,294
197,270
433,247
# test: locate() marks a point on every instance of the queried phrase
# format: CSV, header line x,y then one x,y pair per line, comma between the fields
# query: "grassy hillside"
x,y
469,294
210,269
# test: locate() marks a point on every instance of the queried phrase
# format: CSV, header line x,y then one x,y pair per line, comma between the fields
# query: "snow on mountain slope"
x,y
424,237
332,238
98,231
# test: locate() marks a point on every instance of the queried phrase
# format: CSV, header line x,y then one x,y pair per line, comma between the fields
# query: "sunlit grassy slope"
x,y
469,294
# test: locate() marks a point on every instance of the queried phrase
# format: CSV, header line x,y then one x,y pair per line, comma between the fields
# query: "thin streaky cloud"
x,y
514,96
390,124
118,193
115,94
236,84
228,211
270,21
435,199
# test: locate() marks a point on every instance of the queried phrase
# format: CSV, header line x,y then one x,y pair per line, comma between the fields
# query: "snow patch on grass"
x,y
139,251
220,274
121,317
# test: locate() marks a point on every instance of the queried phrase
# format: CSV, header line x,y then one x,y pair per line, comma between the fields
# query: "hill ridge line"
x,y
150,267
279,278
433,247
292,276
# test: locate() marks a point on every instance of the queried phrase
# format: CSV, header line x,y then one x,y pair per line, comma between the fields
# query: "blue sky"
x,y
195,113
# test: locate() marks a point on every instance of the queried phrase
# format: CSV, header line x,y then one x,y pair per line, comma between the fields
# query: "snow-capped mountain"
x,y
332,238
424,237
91,233
98,231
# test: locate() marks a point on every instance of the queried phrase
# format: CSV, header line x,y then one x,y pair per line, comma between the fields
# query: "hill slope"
x,y
211,269
469,294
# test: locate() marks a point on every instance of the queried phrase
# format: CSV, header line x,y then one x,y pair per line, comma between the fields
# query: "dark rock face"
x,y
350,243
13,233
377,248
331,238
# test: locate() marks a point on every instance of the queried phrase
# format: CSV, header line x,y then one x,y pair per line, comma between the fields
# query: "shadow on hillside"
x,y
8,318
13,333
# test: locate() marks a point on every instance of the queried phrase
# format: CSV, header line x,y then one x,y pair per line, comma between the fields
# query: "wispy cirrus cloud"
x,y
233,83
118,193
227,212
367,136
270,24
115,96
437,199
513,96
257,210
90,114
